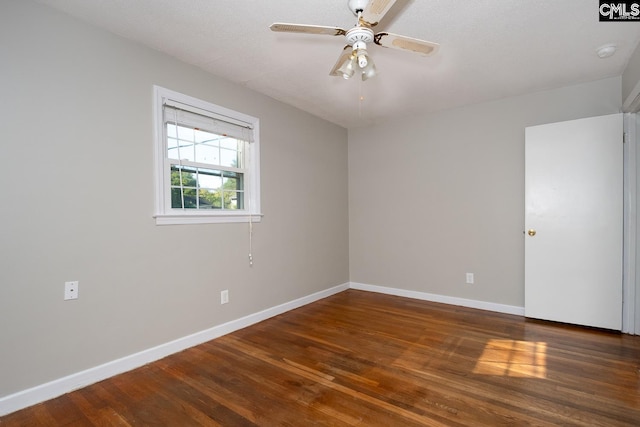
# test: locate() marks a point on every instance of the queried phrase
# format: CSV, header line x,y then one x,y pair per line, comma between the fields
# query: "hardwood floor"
x,y
360,358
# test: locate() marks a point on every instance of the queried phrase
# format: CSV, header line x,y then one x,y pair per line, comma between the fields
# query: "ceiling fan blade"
x,y
307,29
375,11
344,57
405,43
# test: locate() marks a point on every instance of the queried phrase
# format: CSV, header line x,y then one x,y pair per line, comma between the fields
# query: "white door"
x,y
574,221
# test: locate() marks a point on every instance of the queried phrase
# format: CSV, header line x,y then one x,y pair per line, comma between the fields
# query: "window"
x,y
207,162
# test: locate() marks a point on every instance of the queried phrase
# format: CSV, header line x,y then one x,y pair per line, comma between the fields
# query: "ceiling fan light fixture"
x,y
362,58
369,71
348,67
366,67
360,51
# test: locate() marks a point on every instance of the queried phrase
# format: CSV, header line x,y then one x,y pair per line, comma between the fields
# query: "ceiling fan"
x,y
355,58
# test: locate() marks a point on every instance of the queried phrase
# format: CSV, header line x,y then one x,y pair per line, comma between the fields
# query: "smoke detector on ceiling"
x,y
606,51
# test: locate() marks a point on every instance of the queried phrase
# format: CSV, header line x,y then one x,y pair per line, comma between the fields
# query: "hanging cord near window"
x,y
175,123
250,235
247,194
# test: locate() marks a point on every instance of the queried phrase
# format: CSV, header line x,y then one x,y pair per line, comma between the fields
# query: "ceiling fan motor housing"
x,y
356,6
359,34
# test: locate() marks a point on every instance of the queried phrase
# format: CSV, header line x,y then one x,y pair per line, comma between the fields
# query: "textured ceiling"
x,y
490,49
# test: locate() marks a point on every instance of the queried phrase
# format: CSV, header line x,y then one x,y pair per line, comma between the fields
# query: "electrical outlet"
x,y
70,290
470,278
224,296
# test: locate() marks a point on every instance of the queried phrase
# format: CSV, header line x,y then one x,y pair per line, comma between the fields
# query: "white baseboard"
x,y
32,396
481,305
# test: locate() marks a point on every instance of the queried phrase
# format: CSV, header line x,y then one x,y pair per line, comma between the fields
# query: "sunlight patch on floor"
x,y
511,358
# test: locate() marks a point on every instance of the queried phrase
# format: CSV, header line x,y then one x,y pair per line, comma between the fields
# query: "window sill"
x,y
218,218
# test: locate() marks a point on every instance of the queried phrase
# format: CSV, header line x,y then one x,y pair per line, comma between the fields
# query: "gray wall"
x,y
434,196
77,204
631,74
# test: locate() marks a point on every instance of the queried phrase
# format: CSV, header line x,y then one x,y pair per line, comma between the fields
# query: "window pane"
x,y
171,131
229,158
207,137
229,143
206,153
231,183
204,147
188,176
173,153
183,152
183,147
210,199
231,199
172,148
187,194
206,188
209,179
185,133
241,147
176,198
239,199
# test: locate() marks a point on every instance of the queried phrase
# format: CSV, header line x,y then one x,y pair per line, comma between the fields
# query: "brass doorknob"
x,y
531,232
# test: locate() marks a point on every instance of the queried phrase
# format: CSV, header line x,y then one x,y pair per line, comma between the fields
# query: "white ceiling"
x,y
490,49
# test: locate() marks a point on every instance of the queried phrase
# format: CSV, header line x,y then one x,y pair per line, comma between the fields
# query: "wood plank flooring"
x,y
366,359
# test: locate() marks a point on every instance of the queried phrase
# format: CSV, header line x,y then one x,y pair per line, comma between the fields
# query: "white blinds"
x,y
195,117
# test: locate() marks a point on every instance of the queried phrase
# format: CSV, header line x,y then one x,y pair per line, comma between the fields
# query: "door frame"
x,y
630,282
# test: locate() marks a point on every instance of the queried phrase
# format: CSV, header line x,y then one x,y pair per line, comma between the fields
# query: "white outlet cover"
x,y
71,290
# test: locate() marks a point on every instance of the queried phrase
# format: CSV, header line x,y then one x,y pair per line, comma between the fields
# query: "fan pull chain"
x,y
360,100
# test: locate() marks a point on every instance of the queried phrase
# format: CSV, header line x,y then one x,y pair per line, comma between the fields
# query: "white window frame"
x,y
164,213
